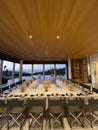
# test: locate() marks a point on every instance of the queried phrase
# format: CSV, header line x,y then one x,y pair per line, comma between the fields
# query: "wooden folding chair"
x,y
56,112
75,112
36,109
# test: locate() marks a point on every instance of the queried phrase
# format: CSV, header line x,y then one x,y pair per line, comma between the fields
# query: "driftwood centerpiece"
x,y
23,88
46,84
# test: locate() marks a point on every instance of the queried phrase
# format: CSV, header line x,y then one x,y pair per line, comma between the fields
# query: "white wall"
x,y
94,69
69,68
88,66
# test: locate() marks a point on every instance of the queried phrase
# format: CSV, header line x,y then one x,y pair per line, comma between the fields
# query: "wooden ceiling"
x,y
75,21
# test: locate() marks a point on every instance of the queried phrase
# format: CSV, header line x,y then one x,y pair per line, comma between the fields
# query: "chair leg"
x,y
42,120
69,121
68,118
21,123
91,120
83,120
49,121
7,121
29,121
0,122
62,117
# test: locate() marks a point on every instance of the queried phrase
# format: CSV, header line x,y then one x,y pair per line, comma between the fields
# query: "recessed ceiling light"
x,y
30,36
45,52
58,37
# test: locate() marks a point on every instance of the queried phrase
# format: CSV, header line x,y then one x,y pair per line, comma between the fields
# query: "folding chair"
x,y
36,109
3,113
75,112
16,110
56,112
92,109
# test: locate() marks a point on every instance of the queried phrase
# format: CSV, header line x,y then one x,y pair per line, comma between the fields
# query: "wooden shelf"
x,y
79,69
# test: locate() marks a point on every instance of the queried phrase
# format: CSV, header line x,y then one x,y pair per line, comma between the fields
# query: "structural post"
x,y
66,75
43,71
13,72
32,70
54,70
20,73
1,68
69,68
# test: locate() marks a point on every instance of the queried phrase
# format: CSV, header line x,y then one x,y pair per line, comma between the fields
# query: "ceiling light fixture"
x,y
58,37
45,52
30,36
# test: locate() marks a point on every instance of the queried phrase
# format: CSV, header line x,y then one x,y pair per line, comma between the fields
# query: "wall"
x,y
88,66
69,68
94,69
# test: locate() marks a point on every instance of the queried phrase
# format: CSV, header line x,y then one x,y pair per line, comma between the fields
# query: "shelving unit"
x,y
85,74
79,69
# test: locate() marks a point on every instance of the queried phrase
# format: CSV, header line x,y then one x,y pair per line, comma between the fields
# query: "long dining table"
x,y
53,91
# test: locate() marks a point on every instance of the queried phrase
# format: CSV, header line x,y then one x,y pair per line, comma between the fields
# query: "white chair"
x,y
16,110
3,113
56,112
92,110
75,112
36,109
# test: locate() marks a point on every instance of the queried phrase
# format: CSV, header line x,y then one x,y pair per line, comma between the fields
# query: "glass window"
x,y
17,69
7,69
49,70
60,70
38,69
27,69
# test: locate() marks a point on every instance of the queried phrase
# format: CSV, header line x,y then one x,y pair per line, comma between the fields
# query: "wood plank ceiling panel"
x,y
75,21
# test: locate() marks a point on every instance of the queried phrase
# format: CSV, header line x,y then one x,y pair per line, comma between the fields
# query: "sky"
x,y
28,68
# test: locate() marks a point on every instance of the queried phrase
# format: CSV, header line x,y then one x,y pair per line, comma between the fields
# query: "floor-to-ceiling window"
x,y
49,70
26,71
7,69
61,70
38,70
17,69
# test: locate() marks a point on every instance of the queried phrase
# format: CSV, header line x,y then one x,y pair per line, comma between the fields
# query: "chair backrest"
x,y
56,102
36,102
75,102
15,103
75,105
15,106
36,105
56,106
93,104
3,106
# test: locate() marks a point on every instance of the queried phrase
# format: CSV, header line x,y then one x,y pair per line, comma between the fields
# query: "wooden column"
x,y
54,70
20,73
13,72
1,68
69,69
43,71
32,70
66,75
